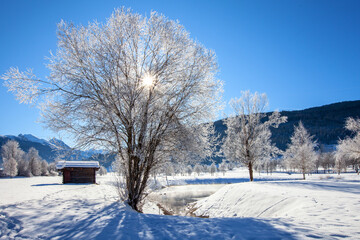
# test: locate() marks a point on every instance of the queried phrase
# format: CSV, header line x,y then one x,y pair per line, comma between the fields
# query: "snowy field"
x,y
277,206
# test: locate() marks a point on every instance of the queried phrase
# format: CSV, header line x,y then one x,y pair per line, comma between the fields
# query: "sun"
x,y
148,80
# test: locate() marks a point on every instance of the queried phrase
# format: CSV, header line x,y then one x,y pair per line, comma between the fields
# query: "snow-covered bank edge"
x,y
315,208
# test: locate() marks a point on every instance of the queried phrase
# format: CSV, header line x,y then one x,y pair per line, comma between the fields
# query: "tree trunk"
x,y
133,203
303,175
251,172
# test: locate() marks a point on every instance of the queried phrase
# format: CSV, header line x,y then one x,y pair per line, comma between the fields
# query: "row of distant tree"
x,y
18,163
302,153
170,169
318,162
248,140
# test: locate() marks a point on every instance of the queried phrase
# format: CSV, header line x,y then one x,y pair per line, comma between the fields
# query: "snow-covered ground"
x,y
277,207
316,208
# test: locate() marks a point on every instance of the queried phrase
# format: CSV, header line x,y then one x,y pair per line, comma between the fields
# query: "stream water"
x,y
176,198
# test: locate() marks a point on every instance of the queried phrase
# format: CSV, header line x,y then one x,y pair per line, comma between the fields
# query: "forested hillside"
x,y
326,123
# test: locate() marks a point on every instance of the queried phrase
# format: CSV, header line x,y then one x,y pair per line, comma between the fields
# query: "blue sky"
x,y
302,53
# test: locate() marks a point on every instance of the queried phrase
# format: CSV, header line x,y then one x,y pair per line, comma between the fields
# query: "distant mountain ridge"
x,y
50,150
58,143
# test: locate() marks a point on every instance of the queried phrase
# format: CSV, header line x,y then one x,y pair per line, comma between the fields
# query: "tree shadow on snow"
x,y
116,221
46,184
91,219
329,186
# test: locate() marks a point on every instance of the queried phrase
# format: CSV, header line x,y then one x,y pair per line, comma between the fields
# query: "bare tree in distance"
x,y
349,148
248,131
138,86
213,169
189,170
12,155
197,169
23,167
44,168
102,171
223,166
327,160
34,161
301,152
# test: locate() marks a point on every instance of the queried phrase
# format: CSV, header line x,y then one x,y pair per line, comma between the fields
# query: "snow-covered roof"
x,y
79,164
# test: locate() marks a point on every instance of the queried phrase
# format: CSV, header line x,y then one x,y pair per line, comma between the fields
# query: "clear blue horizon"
x,y
300,53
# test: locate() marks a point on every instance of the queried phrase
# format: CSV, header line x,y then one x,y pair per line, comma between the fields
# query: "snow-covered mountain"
x,y
53,143
58,143
53,148
32,138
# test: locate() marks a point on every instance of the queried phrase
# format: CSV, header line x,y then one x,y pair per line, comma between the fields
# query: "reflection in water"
x,y
176,198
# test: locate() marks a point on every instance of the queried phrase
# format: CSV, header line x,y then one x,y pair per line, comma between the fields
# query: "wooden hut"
x,y
78,171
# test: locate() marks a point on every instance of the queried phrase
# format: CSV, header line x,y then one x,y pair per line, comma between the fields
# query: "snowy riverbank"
x,y
274,208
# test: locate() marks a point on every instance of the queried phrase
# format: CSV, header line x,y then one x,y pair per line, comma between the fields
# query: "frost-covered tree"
x,y
340,161
205,168
223,167
44,168
213,169
52,166
34,161
10,167
23,167
116,166
168,169
230,165
102,171
197,169
189,170
349,148
248,132
12,155
267,165
180,168
139,86
327,160
22,163
301,152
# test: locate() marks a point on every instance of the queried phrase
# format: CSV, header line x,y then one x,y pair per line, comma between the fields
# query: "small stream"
x,y
176,198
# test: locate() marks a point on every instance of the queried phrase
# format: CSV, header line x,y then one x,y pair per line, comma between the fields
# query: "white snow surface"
x,y
324,206
81,164
277,207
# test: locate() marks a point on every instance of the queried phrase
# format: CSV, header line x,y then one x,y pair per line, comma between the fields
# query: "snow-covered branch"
x,y
248,131
139,86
